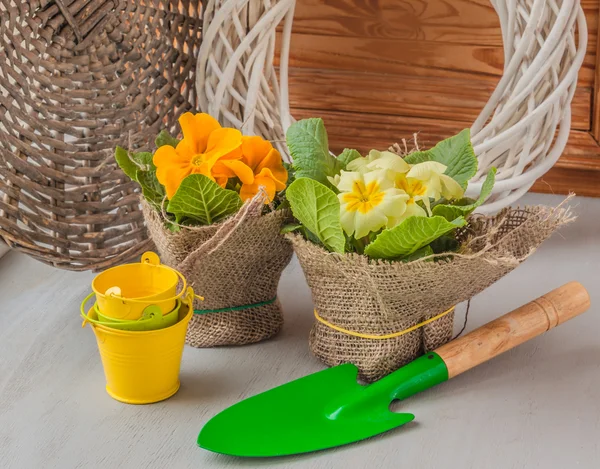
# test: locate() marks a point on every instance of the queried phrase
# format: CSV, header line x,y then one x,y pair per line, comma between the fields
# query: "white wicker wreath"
x,y
522,130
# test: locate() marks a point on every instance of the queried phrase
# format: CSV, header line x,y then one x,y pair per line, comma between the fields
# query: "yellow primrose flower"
x,y
437,184
389,161
368,201
361,165
416,191
335,180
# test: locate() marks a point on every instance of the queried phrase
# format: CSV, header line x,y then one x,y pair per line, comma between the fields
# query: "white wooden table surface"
x,y
537,406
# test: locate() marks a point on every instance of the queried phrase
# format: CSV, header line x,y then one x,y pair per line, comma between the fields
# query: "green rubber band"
x,y
236,308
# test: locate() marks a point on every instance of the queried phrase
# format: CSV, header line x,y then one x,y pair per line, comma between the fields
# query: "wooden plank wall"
x,y
379,70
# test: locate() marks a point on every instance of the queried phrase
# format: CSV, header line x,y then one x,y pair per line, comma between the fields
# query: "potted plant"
x,y
212,202
389,245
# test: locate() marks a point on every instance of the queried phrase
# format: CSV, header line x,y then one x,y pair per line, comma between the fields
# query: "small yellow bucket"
x,y
124,291
142,367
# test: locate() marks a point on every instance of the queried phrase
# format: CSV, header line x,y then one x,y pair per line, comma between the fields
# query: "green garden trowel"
x,y
330,408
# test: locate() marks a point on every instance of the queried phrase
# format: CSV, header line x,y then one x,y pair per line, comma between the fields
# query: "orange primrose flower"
x,y
206,148
266,165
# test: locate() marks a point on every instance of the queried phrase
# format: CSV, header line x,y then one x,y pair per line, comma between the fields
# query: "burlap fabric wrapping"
x,y
380,297
233,264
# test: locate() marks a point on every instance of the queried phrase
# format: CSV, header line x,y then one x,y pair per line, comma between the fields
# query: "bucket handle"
x,y
85,317
189,298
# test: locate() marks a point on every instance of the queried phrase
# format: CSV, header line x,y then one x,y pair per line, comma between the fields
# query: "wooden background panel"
x,y
407,57
449,21
565,181
432,97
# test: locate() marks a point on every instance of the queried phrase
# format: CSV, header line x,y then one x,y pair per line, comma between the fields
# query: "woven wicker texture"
x,y
236,80
77,78
235,263
379,297
515,131
524,127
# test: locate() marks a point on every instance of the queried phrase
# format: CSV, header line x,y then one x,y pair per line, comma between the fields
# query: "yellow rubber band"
x,y
385,336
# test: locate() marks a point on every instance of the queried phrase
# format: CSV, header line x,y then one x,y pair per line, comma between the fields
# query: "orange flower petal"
x,y
167,155
274,162
267,174
196,130
248,191
221,181
185,150
254,149
233,168
225,141
171,177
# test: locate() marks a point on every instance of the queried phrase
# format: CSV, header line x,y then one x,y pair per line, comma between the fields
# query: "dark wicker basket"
x,y
77,78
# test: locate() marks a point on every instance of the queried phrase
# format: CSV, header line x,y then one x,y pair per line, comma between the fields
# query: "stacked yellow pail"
x,y
140,320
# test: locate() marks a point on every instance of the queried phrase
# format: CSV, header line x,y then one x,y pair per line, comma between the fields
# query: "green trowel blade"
x,y
322,410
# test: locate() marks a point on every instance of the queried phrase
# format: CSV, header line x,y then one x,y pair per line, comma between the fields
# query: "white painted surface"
x,y
3,249
537,406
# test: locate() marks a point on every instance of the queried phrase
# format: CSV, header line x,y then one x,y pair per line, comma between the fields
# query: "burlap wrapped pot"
x,y
381,297
236,266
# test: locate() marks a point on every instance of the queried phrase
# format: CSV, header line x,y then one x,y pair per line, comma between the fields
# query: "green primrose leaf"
x,y
463,207
318,209
165,138
423,252
290,227
152,190
144,161
455,152
309,147
125,163
409,236
130,163
347,156
463,201
172,227
139,167
203,200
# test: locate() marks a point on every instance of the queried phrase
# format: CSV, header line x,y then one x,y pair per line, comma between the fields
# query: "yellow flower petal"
x,y
390,161
346,180
335,180
424,171
347,219
450,188
380,176
366,223
360,165
412,210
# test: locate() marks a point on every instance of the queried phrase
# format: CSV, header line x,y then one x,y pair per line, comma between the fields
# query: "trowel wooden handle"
x,y
514,328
